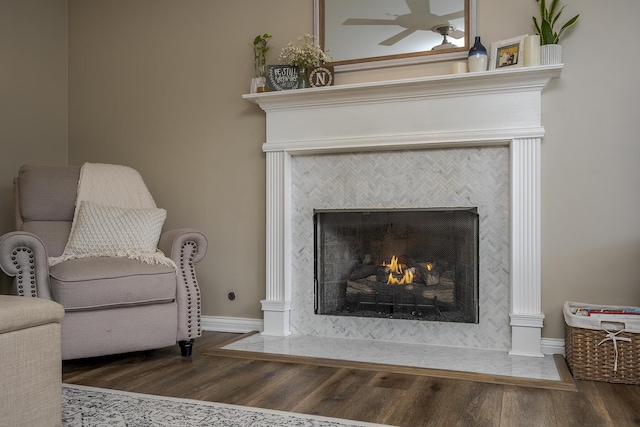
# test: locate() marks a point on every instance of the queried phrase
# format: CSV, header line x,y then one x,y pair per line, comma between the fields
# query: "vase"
x,y
259,82
303,78
258,85
551,54
477,57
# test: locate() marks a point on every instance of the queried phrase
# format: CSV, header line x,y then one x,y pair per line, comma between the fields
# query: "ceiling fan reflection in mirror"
x,y
444,31
430,15
366,34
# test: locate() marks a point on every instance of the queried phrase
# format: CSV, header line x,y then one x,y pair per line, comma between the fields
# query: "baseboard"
x,y
231,324
552,346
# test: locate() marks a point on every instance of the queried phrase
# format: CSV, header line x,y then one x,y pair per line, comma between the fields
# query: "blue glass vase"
x,y
303,78
477,57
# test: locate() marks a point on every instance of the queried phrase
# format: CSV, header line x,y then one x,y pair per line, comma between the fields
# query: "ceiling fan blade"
x,y
395,39
365,21
418,6
456,34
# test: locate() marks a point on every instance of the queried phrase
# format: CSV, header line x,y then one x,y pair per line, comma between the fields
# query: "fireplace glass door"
x,y
416,264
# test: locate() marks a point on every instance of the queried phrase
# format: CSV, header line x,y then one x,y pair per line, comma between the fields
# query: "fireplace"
x,y
430,179
412,264
477,136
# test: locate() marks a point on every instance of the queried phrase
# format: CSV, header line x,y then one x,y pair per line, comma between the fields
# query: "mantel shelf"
x,y
462,109
509,80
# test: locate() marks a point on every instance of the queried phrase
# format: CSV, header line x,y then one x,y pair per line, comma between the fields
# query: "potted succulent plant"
x,y
551,50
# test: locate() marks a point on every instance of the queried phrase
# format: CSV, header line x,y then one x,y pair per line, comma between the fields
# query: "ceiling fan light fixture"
x,y
444,30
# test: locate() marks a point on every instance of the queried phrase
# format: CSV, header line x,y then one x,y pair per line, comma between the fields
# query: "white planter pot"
x,y
551,54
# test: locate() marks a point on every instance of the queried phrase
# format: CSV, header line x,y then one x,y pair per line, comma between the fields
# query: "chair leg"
x,y
186,347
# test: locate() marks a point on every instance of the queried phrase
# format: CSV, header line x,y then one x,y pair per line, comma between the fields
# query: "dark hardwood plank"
x,y
286,392
372,404
333,396
622,402
583,408
239,384
424,404
393,380
478,403
200,381
527,407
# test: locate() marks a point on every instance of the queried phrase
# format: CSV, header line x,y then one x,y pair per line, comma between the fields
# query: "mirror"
x,y
362,34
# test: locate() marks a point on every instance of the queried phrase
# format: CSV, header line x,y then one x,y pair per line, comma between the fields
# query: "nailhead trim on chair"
x,y
25,287
192,287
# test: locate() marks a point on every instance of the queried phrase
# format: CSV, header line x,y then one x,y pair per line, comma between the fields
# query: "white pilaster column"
x,y
277,304
526,308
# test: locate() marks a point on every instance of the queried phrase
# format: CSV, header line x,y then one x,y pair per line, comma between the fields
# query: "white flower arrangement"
x,y
307,54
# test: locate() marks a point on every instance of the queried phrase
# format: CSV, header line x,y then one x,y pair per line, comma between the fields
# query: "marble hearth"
x,y
456,140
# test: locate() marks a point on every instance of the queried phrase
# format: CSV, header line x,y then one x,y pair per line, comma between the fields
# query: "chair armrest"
x,y
21,313
172,243
186,247
24,257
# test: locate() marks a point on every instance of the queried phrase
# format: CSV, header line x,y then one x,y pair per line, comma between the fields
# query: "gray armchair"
x,y
112,304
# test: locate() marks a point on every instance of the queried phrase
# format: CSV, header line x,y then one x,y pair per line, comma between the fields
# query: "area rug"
x,y
89,406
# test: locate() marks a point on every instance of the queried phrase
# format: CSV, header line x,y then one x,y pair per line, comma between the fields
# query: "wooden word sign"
x,y
321,76
282,77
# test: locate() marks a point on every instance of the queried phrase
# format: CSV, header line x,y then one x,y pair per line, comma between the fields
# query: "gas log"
x,y
432,286
430,272
358,291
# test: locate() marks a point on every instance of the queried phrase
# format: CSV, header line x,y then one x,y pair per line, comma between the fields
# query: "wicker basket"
x,y
591,354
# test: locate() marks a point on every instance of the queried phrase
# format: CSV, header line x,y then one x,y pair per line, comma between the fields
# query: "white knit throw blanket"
x,y
114,186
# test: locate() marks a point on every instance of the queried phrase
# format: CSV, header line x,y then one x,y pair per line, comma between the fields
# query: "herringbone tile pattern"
x,y
461,177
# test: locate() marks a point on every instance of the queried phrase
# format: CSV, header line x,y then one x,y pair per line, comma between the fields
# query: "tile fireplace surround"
x,y
454,140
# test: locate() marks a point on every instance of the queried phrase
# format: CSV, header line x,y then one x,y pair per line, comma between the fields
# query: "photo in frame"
x,y
507,53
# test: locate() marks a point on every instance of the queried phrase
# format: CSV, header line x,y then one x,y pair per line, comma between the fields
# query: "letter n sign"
x,y
321,76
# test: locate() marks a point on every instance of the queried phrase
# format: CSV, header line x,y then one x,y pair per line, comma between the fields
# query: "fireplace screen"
x,y
418,264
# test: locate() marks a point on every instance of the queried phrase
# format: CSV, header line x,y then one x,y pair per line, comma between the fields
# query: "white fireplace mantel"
x,y
501,107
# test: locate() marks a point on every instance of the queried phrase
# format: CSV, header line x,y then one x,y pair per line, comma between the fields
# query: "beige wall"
x,y
33,90
590,177
157,84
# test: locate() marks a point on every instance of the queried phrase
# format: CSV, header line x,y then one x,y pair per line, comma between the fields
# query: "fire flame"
x,y
396,268
394,265
429,266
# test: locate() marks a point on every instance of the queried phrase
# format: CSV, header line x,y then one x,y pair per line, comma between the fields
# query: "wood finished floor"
x,y
399,399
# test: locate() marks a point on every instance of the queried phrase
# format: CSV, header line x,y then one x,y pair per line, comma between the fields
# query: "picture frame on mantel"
x,y
507,53
282,77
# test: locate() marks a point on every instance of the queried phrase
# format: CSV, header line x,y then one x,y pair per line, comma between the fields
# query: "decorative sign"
x,y
321,76
282,77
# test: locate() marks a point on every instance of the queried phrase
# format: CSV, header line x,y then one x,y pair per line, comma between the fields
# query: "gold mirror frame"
x,y
399,59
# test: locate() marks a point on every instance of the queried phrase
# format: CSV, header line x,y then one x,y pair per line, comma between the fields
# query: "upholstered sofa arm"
x,y
31,380
186,247
24,257
23,313
172,244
